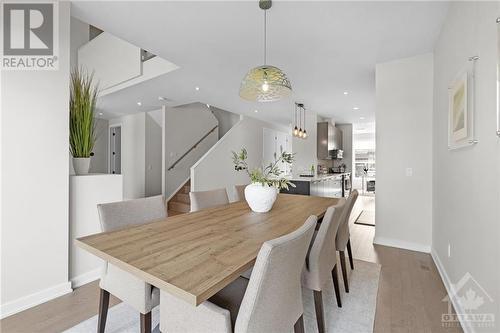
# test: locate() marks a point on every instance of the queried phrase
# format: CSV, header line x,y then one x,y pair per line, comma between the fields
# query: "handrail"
x,y
193,147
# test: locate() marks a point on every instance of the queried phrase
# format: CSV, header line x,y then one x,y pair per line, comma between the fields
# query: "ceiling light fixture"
x,y
256,111
355,108
139,103
362,118
265,83
100,113
298,132
346,93
197,88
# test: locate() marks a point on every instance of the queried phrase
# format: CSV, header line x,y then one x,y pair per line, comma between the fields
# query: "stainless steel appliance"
x,y
329,141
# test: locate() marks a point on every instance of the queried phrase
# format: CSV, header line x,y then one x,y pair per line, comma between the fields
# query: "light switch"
x,y
409,172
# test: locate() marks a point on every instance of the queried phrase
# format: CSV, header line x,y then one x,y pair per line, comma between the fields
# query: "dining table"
x,y
195,255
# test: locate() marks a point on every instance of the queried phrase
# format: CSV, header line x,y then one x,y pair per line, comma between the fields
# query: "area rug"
x,y
366,217
357,314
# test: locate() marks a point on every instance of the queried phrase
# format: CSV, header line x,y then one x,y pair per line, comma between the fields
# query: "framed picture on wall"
x,y
461,109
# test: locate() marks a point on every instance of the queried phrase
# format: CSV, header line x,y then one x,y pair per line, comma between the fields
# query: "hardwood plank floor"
x,y
409,295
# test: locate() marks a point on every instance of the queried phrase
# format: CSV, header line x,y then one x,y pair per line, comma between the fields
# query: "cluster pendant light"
x,y
299,131
265,83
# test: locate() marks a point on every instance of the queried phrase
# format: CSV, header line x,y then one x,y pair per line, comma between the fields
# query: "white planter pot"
x,y
260,198
81,165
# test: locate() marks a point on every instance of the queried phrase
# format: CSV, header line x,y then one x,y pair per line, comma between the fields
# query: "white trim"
x,y
85,278
402,244
34,299
449,289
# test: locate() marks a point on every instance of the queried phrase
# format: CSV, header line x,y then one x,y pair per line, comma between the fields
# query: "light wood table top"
x,y
195,255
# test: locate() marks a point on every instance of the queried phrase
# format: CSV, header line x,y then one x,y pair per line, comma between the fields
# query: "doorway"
x,y
115,150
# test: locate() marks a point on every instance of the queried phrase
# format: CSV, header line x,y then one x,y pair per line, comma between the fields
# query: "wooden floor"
x,y
409,295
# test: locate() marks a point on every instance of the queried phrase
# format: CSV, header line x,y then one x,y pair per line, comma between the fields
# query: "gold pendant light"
x,y
265,83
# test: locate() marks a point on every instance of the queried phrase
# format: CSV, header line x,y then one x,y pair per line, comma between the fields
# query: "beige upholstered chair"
x,y
272,301
342,240
239,192
206,199
130,289
321,261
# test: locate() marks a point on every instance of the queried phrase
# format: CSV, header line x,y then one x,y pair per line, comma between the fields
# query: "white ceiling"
x,y
326,48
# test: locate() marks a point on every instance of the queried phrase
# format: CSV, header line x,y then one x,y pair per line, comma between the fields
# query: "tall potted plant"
x,y
83,97
261,193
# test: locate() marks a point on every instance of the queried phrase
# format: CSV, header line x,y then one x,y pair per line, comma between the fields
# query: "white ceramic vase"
x,y
260,197
81,165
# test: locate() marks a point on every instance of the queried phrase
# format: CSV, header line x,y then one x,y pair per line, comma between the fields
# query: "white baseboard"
x,y
85,278
34,299
449,289
402,244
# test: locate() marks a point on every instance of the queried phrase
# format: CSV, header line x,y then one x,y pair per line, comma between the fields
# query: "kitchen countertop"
x,y
317,177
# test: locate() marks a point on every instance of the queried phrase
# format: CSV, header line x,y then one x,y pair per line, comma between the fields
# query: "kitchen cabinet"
x,y
329,138
273,143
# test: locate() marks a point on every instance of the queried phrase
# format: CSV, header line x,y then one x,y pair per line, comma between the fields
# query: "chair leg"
x,y
299,325
343,265
318,304
103,310
146,322
349,253
335,278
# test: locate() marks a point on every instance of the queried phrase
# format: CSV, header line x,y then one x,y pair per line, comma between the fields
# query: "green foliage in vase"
x,y
271,175
82,102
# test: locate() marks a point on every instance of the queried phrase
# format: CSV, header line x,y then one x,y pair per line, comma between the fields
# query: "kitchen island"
x,y
332,185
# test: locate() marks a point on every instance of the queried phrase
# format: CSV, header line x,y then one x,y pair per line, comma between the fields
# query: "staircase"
x,y
180,203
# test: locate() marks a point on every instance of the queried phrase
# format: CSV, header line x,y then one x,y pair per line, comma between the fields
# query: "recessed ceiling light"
x,y
362,118
346,93
100,113
208,106
256,111
197,88
355,108
139,103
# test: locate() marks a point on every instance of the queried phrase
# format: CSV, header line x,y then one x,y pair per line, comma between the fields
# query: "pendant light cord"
x,y
265,37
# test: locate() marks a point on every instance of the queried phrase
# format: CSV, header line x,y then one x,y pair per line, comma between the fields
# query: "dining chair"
x,y
131,290
342,240
271,301
321,261
206,199
239,192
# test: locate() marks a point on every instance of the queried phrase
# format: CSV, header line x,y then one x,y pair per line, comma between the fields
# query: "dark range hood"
x,y
329,146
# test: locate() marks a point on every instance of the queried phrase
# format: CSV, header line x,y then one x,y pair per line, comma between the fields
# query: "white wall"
x,y
466,181
99,162
226,120
86,192
154,152
404,140
305,150
215,169
184,126
34,126
133,150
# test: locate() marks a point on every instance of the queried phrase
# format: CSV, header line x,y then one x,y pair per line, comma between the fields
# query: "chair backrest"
x,y
207,199
239,192
120,214
343,231
273,299
322,256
